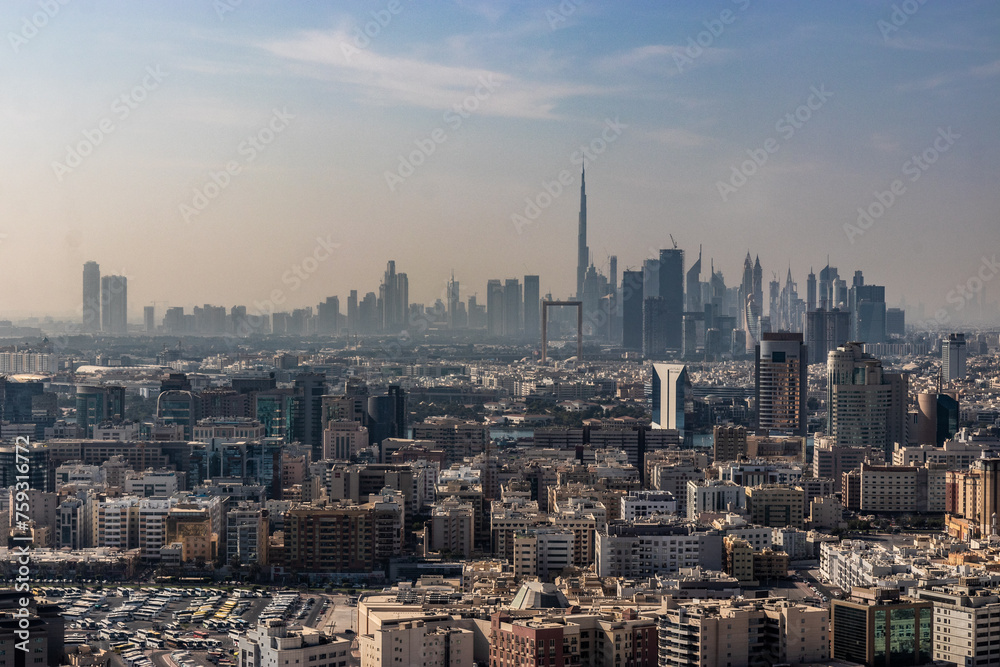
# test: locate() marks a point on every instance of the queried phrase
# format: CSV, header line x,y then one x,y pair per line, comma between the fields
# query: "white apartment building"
x,y
274,645
713,496
857,563
966,623
247,534
640,504
151,514
647,549
111,525
149,484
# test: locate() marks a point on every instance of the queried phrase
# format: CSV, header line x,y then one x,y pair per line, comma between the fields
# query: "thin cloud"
x,y
385,80
669,59
983,71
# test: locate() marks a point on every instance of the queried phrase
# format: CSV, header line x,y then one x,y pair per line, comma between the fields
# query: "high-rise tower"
x,y
671,280
583,252
91,297
693,304
114,304
780,383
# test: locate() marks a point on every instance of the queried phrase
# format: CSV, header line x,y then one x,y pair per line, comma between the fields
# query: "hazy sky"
x,y
116,115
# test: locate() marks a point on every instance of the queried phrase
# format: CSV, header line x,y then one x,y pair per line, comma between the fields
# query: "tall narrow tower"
x,y
583,252
91,297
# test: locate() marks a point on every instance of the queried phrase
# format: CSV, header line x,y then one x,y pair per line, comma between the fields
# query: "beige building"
x,y
775,505
741,633
416,643
543,552
191,526
39,507
510,517
343,439
738,560
112,522
582,520
954,454
449,529
826,513
902,488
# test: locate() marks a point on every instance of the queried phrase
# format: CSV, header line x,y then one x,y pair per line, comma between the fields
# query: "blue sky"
x,y
332,115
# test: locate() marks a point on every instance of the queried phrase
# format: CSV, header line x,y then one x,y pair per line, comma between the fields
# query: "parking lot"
x,y
164,626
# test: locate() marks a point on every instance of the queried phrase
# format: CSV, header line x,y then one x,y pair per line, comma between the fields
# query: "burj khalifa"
x,y
583,252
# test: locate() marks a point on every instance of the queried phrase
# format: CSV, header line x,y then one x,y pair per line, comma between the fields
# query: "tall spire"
x,y
583,252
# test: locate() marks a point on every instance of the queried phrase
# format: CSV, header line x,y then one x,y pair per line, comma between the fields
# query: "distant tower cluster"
x,y
105,301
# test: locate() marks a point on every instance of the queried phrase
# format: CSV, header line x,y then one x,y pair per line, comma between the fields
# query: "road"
x,y
313,614
161,659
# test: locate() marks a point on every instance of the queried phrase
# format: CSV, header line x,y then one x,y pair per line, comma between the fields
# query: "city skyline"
x,y
231,146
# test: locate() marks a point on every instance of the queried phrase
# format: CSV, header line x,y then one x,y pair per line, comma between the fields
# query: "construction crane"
x,y
673,241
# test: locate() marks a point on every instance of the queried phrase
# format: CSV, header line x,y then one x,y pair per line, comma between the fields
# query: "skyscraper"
x,y
307,420
810,291
780,381
758,284
114,304
895,322
328,314
746,286
454,298
867,306
693,304
672,398
953,353
654,335
582,252
494,307
394,299
91,297
632,310
512,302
352,312
149,318
671,279
828,277
825,331
532,314
864,405
95,404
